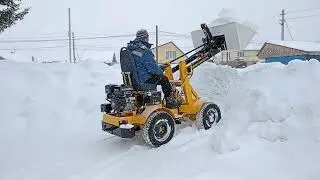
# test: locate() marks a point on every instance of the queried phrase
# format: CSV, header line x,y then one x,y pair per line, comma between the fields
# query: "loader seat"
x,y
129,72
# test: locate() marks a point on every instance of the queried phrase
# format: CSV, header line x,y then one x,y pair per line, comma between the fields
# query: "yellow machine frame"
x,y
190,102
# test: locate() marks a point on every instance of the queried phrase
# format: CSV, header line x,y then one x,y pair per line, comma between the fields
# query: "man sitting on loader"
x,y
148,70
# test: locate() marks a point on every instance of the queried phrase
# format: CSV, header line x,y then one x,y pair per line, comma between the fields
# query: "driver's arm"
x,y
151,64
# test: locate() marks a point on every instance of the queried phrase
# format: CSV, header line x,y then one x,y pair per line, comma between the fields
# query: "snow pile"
x,y
50,118
50,125
275,103
226,16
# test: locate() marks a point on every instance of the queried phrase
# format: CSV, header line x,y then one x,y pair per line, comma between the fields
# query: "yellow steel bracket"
x,y
168,71
191,96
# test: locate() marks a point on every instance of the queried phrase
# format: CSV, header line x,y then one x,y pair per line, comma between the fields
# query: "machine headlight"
x,y
107,89
113,105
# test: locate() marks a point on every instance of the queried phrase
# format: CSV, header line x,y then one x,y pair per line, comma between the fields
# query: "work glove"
x,y
163,66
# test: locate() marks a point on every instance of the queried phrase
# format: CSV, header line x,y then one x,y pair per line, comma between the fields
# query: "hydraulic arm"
x,y
211,46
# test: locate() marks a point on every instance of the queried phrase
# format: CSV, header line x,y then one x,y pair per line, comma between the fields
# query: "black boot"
x,y
172,103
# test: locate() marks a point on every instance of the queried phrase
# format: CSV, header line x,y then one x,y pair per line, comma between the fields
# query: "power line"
x,y
176,34
82,46
166,33
101,34
41,34
303,10
32,38
299,17
81,38
91,46
34,48
92,49
289,30
106,37
65,39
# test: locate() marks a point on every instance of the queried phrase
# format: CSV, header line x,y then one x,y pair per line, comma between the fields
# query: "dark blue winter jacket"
x,y
144,60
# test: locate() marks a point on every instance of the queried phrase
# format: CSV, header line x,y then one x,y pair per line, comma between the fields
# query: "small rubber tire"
x,y
209,115
150,129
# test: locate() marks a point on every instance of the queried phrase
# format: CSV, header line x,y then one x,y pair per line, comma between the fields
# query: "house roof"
x,y
299,45
170,42
254,46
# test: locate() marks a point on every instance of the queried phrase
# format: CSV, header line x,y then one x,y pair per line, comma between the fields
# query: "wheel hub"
x,y
212,114
161,130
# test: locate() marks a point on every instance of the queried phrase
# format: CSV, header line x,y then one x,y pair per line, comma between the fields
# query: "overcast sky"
x,y
117,17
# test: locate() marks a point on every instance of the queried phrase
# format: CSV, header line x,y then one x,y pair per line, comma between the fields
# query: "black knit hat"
x,y
142,34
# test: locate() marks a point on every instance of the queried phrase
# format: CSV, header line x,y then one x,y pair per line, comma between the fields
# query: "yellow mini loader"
x,y
135,107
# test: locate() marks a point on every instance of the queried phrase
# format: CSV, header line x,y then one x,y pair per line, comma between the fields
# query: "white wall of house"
x,y
244,55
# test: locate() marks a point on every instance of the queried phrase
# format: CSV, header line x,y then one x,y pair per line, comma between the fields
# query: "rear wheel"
x,y
208,116
159,129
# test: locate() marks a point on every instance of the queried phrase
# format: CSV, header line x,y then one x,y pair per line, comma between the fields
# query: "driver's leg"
x,y
163,81
166,88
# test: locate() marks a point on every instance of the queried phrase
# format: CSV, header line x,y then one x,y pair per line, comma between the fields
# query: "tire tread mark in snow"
x,y
100,167
106,139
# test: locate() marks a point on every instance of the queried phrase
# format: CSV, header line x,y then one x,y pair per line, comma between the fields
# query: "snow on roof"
x,y
301,45
254,46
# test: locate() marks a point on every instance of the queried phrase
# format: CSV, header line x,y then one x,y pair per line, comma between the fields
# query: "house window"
x,y
171,55
240,54
228,56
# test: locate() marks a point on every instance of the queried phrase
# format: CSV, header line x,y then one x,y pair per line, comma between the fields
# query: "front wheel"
x,y
159,129
209,115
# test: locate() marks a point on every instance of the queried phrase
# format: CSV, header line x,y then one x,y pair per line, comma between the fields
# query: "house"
x,y
168,52
241,58
250,53
285,51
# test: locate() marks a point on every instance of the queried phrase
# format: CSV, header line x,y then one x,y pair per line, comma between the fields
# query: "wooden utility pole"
x,y
69,15
74,48
157,42
282,24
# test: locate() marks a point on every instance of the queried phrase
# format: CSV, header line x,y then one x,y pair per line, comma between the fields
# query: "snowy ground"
x,y
50,126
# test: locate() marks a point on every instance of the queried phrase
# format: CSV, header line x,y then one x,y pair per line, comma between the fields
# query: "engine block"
x,y
121,98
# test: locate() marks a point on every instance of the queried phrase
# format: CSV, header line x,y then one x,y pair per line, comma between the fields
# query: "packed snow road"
x,y
50,126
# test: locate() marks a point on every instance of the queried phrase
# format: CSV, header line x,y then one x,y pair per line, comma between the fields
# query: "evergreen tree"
x,y
10,14
114,59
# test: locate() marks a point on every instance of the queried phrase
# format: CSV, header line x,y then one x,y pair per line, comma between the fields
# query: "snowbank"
x,y
50,118
50,125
